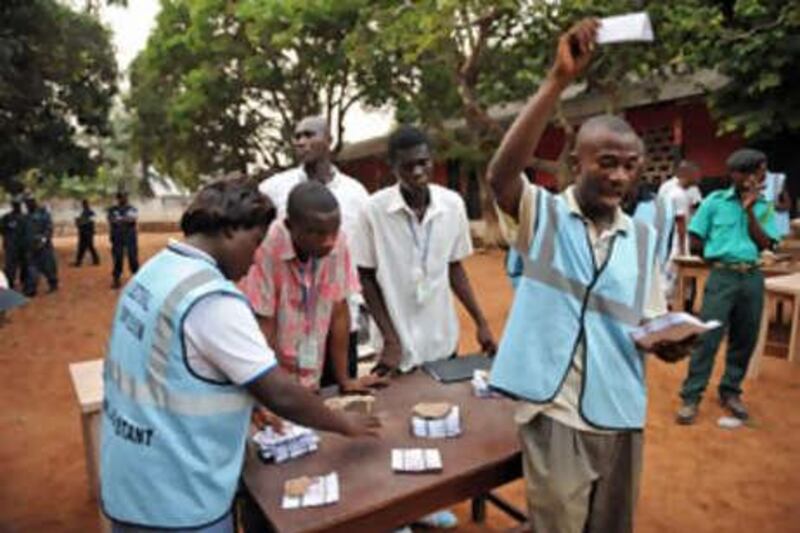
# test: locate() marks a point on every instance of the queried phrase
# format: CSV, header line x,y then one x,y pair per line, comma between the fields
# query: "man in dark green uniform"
x,y
122,228
43,257
731,227
16,240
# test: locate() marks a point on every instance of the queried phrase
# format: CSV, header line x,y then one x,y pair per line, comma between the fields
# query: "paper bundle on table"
x,y
416,460
322,490
437,428
295,441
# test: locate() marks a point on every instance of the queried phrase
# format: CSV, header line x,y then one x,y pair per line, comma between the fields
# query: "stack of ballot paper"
x,y
671,327
311,491
480,385
295,441
416,460
625,28
448,425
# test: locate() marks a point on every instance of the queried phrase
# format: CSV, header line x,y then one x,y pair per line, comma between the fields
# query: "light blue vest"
x,y
172,442
564,297
660,214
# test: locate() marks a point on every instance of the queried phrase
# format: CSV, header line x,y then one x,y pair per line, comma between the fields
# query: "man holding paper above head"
x,y
731,227
590,277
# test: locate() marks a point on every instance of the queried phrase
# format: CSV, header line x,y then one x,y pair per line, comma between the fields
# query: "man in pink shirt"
x,y
298,286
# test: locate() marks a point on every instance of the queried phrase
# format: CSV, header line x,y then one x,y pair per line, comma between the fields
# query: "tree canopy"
x,y
57,81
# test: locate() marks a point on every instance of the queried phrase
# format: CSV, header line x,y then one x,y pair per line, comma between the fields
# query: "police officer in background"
x,y
42,255
16,240
122,226
85,224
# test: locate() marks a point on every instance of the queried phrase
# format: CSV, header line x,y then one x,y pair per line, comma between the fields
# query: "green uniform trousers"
x,y
736,300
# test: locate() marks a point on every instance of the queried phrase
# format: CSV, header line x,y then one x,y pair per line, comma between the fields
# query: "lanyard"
x,y
422,248
309,291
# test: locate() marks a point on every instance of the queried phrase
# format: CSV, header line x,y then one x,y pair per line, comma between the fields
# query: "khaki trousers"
x,y
578,481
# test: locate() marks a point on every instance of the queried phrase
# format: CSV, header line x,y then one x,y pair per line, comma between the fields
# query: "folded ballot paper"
x,y
416,460
480,385
673,327
436,420
625,28
311,491
295,441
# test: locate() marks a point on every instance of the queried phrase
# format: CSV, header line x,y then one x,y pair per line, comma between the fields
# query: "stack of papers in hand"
x,y
625,28
311,492
671,327
480,385
416,460
295,441
437,428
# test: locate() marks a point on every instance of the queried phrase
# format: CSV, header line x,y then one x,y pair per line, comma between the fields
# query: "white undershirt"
x,y
223,340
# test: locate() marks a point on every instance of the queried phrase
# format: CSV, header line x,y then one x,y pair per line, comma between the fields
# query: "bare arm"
x,y
696,244
281,395
392,350
522,138
757,233
680,225
459,283
339,341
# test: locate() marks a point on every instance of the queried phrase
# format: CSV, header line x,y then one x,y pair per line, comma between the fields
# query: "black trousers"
x,y
43,263
86,244
119,249
16,267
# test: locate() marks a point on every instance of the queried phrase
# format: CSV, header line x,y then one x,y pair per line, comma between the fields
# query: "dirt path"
x,y
698,479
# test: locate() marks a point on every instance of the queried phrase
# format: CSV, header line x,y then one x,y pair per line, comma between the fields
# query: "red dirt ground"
x,y
698,479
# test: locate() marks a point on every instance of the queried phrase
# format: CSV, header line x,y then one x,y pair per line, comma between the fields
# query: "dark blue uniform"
x,y
43,257
85,224
16,246
122,227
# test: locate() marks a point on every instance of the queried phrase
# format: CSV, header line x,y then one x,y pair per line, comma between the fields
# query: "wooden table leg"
x,y
680,294
793,337
754,367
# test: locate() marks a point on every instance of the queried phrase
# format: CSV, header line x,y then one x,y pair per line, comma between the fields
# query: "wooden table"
x,y
777,289
87,380
693,267
372,497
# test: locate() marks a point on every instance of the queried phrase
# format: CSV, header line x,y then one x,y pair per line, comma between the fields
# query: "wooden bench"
x,y
780,288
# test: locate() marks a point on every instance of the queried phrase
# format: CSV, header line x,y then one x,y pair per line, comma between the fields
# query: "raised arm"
x,y
573,54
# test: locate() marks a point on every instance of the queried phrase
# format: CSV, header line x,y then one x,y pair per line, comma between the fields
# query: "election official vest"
x,y
564,298
172,442
659,214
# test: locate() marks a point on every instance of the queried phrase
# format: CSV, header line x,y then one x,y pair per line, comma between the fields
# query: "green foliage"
x,y
57,80
221,84
759,50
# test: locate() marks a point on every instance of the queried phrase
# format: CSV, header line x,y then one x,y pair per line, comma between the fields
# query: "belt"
x,y
736,267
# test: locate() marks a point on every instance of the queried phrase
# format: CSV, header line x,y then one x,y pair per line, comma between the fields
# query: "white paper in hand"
x,y
671,327
625,28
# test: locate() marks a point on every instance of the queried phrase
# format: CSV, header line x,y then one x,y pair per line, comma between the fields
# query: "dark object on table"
x,y
457,368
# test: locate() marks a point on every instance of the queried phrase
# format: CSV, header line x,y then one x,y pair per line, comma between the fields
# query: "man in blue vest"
x,y
42,254
186,360
589,277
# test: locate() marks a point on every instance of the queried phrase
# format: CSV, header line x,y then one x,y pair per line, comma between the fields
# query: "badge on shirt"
x,y
308,353
422,286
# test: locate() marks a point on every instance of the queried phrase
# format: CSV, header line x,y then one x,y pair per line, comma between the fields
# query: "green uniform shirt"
x,y
721,222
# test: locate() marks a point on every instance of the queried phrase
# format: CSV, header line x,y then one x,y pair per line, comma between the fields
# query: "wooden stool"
x,y
776,289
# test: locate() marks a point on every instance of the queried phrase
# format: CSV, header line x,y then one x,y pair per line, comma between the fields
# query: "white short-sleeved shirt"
x,y
684,201
223,340
349,192
393,241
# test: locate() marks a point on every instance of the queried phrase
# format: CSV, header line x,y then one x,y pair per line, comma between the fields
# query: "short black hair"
x,y
404,138
687,164
608,122
746,160
227,204
310,197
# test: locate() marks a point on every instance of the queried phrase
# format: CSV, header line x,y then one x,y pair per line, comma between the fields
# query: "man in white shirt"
x,y
410,243
682,191
312,145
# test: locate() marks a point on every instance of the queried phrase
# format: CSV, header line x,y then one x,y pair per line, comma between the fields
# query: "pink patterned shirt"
x,y
300,295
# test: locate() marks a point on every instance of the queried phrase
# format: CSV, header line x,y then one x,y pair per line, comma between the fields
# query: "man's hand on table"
x,y
263,417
